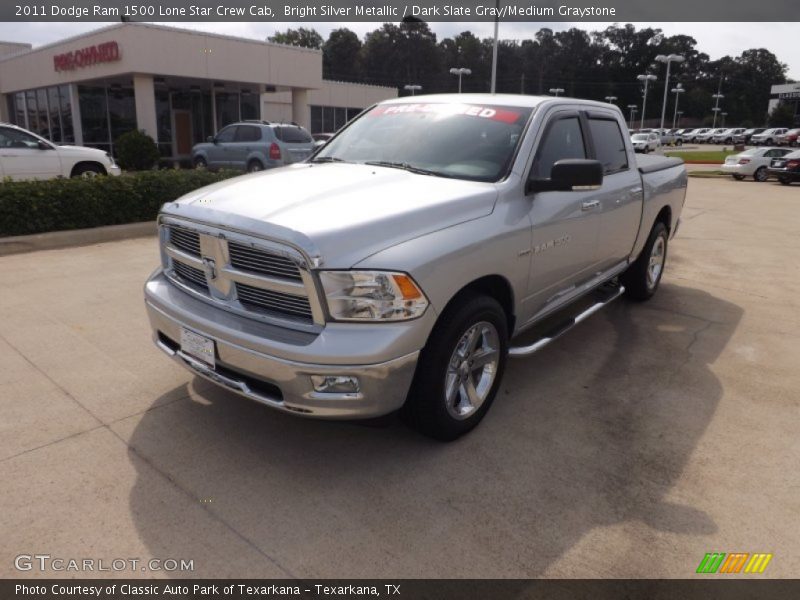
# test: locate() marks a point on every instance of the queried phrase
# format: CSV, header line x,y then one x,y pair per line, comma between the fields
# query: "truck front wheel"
x,y
460,368
643,276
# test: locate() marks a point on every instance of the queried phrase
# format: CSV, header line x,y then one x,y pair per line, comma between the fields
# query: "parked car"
x,y
726,136
667,138
768,137
787,168
387,274
25,155
789,138
707,136
254,146
746,135
694,135
753,162
646,142
320,139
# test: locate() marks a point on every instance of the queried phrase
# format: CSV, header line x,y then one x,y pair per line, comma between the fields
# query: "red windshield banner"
x,y
493,113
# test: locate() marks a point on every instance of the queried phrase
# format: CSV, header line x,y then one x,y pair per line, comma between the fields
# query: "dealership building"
x,y
178,86
786,93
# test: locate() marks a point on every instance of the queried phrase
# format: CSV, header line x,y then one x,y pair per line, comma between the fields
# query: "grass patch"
x,y
711,157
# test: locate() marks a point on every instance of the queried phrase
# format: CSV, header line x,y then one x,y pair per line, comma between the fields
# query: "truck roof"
x,y
496,100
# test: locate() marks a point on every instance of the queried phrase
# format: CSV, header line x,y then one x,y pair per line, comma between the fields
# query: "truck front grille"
x,y
185,239
259,261
273,302
261,280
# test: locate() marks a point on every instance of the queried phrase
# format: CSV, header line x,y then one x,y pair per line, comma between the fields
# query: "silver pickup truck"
x,y
401,265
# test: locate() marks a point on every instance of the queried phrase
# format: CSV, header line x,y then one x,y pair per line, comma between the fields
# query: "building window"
x,y
328,119
33,114
44,116
164,122
55,116
249,106
94,116
65,103
227,109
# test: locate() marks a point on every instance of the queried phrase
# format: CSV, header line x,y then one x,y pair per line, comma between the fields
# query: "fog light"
x,y
335,384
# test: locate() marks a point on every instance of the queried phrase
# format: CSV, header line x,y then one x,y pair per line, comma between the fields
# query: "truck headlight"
x,y
372,295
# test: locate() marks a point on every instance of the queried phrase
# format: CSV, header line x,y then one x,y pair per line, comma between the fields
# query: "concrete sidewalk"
x,y
643,439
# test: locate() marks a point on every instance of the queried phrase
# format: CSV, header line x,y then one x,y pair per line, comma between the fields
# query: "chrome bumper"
x,y
259,374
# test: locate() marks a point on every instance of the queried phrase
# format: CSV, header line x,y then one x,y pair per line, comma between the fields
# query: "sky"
x,y
715,39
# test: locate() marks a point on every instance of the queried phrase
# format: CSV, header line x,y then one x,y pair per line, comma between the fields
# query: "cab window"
x,y
563,139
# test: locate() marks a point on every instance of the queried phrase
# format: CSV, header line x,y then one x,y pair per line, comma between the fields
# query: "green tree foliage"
x,y
585,64
136,151
782,115
307,38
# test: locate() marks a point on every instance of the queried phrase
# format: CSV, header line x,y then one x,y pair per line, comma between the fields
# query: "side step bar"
x,y
609,295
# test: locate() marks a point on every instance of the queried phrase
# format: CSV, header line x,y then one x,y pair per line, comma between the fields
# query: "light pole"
x,y
647,79
679,114
460,71
610,99
633,109
556,91
412,88
723,119
677,90
717,97
669,59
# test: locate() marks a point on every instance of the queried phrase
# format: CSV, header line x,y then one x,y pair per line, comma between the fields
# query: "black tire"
x,y
87,170
200,163
761,174
738,177
728,141
768,142
254,166
427,408
679,143
639,283
785,180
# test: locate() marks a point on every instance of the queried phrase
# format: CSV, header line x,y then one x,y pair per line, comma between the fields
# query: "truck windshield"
x,y
461,141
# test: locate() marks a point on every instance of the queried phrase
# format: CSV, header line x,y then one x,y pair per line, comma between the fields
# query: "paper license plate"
x,y
197,346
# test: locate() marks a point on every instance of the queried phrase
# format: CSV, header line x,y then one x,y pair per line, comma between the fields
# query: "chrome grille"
x,y
185,239
269,282
273,302
256,260
196,277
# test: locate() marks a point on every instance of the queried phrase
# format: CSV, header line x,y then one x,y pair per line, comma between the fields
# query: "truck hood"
x,y
81,151
338,213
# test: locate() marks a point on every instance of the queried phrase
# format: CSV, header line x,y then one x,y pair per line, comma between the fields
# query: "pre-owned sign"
x,y
86,57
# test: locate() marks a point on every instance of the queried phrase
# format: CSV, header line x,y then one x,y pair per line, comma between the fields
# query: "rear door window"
x,y
294,135
248,133
609,144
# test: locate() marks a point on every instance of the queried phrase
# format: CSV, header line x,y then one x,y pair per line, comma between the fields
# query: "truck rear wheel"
x,y
643,276
459,370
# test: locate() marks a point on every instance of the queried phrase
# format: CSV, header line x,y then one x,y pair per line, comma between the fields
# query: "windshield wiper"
x,y
324,159
405,166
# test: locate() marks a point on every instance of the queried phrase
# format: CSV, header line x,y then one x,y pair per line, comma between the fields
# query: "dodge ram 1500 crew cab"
x,y
397,267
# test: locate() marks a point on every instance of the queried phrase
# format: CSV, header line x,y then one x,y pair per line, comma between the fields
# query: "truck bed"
x,y
652,164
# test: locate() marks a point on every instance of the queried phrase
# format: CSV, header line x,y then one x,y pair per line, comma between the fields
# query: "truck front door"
x,y
565,224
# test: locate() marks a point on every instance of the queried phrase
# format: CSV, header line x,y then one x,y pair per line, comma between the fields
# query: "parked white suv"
x,y
25,155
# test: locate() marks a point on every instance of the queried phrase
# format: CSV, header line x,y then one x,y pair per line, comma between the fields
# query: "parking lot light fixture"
x,y
460,71
723,119
611,99
679,115
668,59
717,97
556,91
634,109
412,88
646,78
677,90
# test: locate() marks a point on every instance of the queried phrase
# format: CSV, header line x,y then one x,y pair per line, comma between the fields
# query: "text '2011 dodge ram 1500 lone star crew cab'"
x,y
397,267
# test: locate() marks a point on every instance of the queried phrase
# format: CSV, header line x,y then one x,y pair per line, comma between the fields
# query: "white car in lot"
x,y
727,136
707,136
25,155
752,163
646,142
768,137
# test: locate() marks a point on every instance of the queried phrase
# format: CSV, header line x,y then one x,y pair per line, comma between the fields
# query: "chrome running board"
x,y
606,296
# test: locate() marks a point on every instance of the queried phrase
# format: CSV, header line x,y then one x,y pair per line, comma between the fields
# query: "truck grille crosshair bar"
x,y
259,279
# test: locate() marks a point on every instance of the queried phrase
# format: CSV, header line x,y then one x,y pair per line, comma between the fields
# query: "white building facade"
x,y
176,85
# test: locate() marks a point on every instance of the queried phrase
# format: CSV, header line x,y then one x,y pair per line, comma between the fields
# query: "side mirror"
x,y
42,145
570,175
211,139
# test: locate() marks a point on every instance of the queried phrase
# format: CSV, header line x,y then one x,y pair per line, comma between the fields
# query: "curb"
x,y
77,237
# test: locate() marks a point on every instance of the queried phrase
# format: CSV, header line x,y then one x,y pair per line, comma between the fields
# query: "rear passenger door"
x,y
621,196
244,145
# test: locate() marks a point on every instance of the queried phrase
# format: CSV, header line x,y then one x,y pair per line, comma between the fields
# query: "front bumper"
x,y
260,361
114,170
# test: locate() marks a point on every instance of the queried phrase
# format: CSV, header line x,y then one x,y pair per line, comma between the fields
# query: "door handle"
x,y
636,191
590,205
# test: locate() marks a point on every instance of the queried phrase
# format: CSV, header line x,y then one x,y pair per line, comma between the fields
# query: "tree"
x,y
340,56
782,115
307,38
